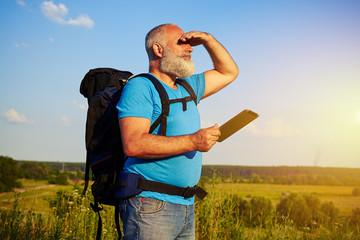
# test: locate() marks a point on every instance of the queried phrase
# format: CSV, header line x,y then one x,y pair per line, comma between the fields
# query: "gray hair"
x,y
156,35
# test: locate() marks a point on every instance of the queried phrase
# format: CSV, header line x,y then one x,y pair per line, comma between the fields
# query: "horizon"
x,y
255,166
299,70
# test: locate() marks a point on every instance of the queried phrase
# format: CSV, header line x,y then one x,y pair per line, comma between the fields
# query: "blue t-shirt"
x,y
141,99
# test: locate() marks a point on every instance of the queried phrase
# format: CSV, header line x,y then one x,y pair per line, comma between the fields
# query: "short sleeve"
x,y
136,99
197,82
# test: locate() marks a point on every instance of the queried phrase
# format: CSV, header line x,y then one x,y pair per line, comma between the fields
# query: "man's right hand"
x,y
205,138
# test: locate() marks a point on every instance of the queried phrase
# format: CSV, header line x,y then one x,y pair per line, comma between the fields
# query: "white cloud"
x,y
275,127
81,106
82,20
53,12
58,13
51,40
21,45
253,129
21,3
14,116
65,121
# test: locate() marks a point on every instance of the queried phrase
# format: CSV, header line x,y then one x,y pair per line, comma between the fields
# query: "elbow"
x,y
130,151
133,149
233,75
236,72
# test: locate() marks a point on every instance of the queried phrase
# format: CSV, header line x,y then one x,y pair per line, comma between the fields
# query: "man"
x,y
175,158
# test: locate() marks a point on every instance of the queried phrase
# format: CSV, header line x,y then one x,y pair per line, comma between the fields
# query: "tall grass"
x,y
220,216
70,218
227,216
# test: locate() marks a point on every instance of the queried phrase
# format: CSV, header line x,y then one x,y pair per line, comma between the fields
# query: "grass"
x,y
61,212
341,196
34,196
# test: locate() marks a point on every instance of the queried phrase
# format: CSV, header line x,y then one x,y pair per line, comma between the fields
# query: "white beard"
x,y
176,65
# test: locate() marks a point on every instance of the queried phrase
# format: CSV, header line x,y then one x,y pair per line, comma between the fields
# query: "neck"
x,y
165,78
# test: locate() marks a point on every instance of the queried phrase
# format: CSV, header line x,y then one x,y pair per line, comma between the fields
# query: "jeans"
x,y
151,219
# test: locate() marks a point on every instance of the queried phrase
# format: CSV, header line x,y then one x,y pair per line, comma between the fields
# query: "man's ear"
x,y
158,50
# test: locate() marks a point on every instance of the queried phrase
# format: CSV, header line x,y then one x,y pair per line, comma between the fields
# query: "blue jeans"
x,y
151,219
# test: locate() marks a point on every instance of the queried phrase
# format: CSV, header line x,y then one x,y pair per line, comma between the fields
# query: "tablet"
x,y
236,123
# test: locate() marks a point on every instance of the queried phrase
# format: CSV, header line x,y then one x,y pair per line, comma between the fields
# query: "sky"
x,y
299,64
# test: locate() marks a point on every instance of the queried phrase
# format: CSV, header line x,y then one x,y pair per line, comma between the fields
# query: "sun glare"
x,y
358,117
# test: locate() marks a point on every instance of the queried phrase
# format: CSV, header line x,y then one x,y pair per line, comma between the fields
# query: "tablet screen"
x,y
236,123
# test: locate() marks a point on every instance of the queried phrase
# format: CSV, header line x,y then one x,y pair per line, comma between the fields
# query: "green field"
x,y
36,194
231,211
340,196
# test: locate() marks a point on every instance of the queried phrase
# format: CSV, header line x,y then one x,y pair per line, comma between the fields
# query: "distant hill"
x,y
62,166
286,175
263,174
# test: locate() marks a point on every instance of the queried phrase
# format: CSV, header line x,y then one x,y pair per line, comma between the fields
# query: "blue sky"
x,y
299,69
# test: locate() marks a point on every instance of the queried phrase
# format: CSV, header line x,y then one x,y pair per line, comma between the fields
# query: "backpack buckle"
x,y
189,192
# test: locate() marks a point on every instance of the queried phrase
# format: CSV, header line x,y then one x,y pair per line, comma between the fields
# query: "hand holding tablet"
x,y
236,123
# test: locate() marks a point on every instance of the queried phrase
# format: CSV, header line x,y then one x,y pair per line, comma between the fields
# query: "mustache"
x,y
185,55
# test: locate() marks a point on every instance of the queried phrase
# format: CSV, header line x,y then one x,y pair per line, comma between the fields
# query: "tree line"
x,y
11,171
285,175
59,173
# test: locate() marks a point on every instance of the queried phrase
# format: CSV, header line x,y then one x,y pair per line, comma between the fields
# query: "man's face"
x,y
176,60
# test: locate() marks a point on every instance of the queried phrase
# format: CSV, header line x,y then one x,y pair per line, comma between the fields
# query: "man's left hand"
x,y
195,38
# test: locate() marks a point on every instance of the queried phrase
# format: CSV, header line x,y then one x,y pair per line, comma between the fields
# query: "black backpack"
x,y
105,157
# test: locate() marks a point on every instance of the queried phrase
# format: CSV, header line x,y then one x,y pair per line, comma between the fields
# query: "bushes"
x,y
261,210
306,210
219,216
36,170
71,218
355,218
8,174
297,216
356,192
329,213
295,208
61,179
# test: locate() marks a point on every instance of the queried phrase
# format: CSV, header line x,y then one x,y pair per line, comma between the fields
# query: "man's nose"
x,y
189,48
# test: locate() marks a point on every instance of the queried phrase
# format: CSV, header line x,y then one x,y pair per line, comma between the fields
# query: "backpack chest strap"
x,y
165,102
183,101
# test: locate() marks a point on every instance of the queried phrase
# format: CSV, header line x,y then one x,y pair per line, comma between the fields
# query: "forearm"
x,y
155,146
139,143
223,62
225,69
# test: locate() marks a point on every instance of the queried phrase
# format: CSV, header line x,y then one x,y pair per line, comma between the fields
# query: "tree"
x,y
60,179
355,217
261,211
37,170
329,211
356,192
313,204
295,208
8,174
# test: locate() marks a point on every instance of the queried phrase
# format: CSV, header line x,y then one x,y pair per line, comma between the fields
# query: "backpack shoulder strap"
x,y
188,88
164,103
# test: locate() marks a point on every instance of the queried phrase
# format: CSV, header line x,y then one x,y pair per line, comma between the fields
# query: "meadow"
x,y
341,196
230,211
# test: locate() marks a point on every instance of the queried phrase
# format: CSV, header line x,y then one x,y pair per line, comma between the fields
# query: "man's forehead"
x,y
173,32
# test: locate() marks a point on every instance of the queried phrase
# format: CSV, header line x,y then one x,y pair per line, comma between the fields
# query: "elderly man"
x,y
175,158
